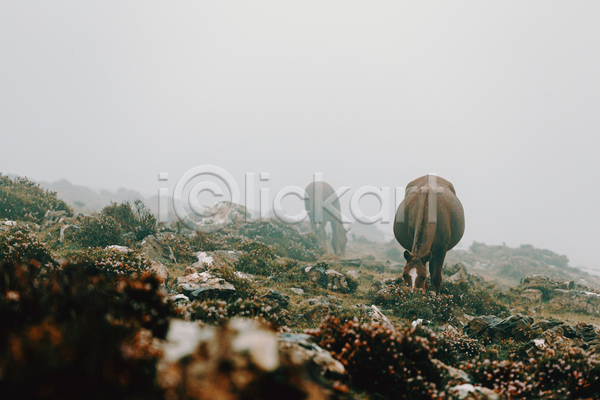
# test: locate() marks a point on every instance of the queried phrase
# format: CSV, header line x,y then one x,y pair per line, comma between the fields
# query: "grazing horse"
x,y
339,239
429,222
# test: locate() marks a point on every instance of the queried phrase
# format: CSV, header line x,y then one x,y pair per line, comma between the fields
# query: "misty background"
x,y
502,99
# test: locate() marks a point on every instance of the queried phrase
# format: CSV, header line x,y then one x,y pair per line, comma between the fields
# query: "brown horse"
x,y
429,222
339,239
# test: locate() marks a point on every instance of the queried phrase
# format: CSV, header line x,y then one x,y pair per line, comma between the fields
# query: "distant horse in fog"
x,y
339,239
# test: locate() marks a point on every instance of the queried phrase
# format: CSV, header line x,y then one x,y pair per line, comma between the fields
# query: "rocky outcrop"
x,y
222,214
155,250
489,327
327,278
200,286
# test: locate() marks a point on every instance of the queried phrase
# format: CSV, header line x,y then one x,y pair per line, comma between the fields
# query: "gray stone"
x,y
156,250
200,286
276,299
490,327
302,350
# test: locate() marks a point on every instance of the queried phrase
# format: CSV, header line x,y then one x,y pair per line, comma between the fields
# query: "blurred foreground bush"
x,y
73,332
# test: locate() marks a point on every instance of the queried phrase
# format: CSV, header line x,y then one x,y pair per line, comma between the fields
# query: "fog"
x,y
500,98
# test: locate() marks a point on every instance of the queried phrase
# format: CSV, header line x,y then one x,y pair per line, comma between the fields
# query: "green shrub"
x,y
24,200
98,231
134,218
117,224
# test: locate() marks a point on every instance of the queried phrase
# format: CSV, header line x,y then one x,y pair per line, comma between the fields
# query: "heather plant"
x,y
112,261
453,347
395,364
218,312
509,377
24,200
571,374
474,301
20,245
409,303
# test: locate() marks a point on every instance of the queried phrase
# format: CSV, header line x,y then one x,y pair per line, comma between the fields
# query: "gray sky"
x,y
501,98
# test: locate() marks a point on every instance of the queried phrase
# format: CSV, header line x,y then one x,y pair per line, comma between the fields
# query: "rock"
x,y
61,236
467,391
242,275
160,271
183,339
460,276
302,350
155,250
336,281
454,373
532,295
545,324
355,273
541,281
179,298
555,338
9,223
297,291
276,299
316,274
589,333
477,326
328,278
239,360
571,285
53,217
203,258
200,286
122,249
376,315
216,259
577,300
222,214
489,327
